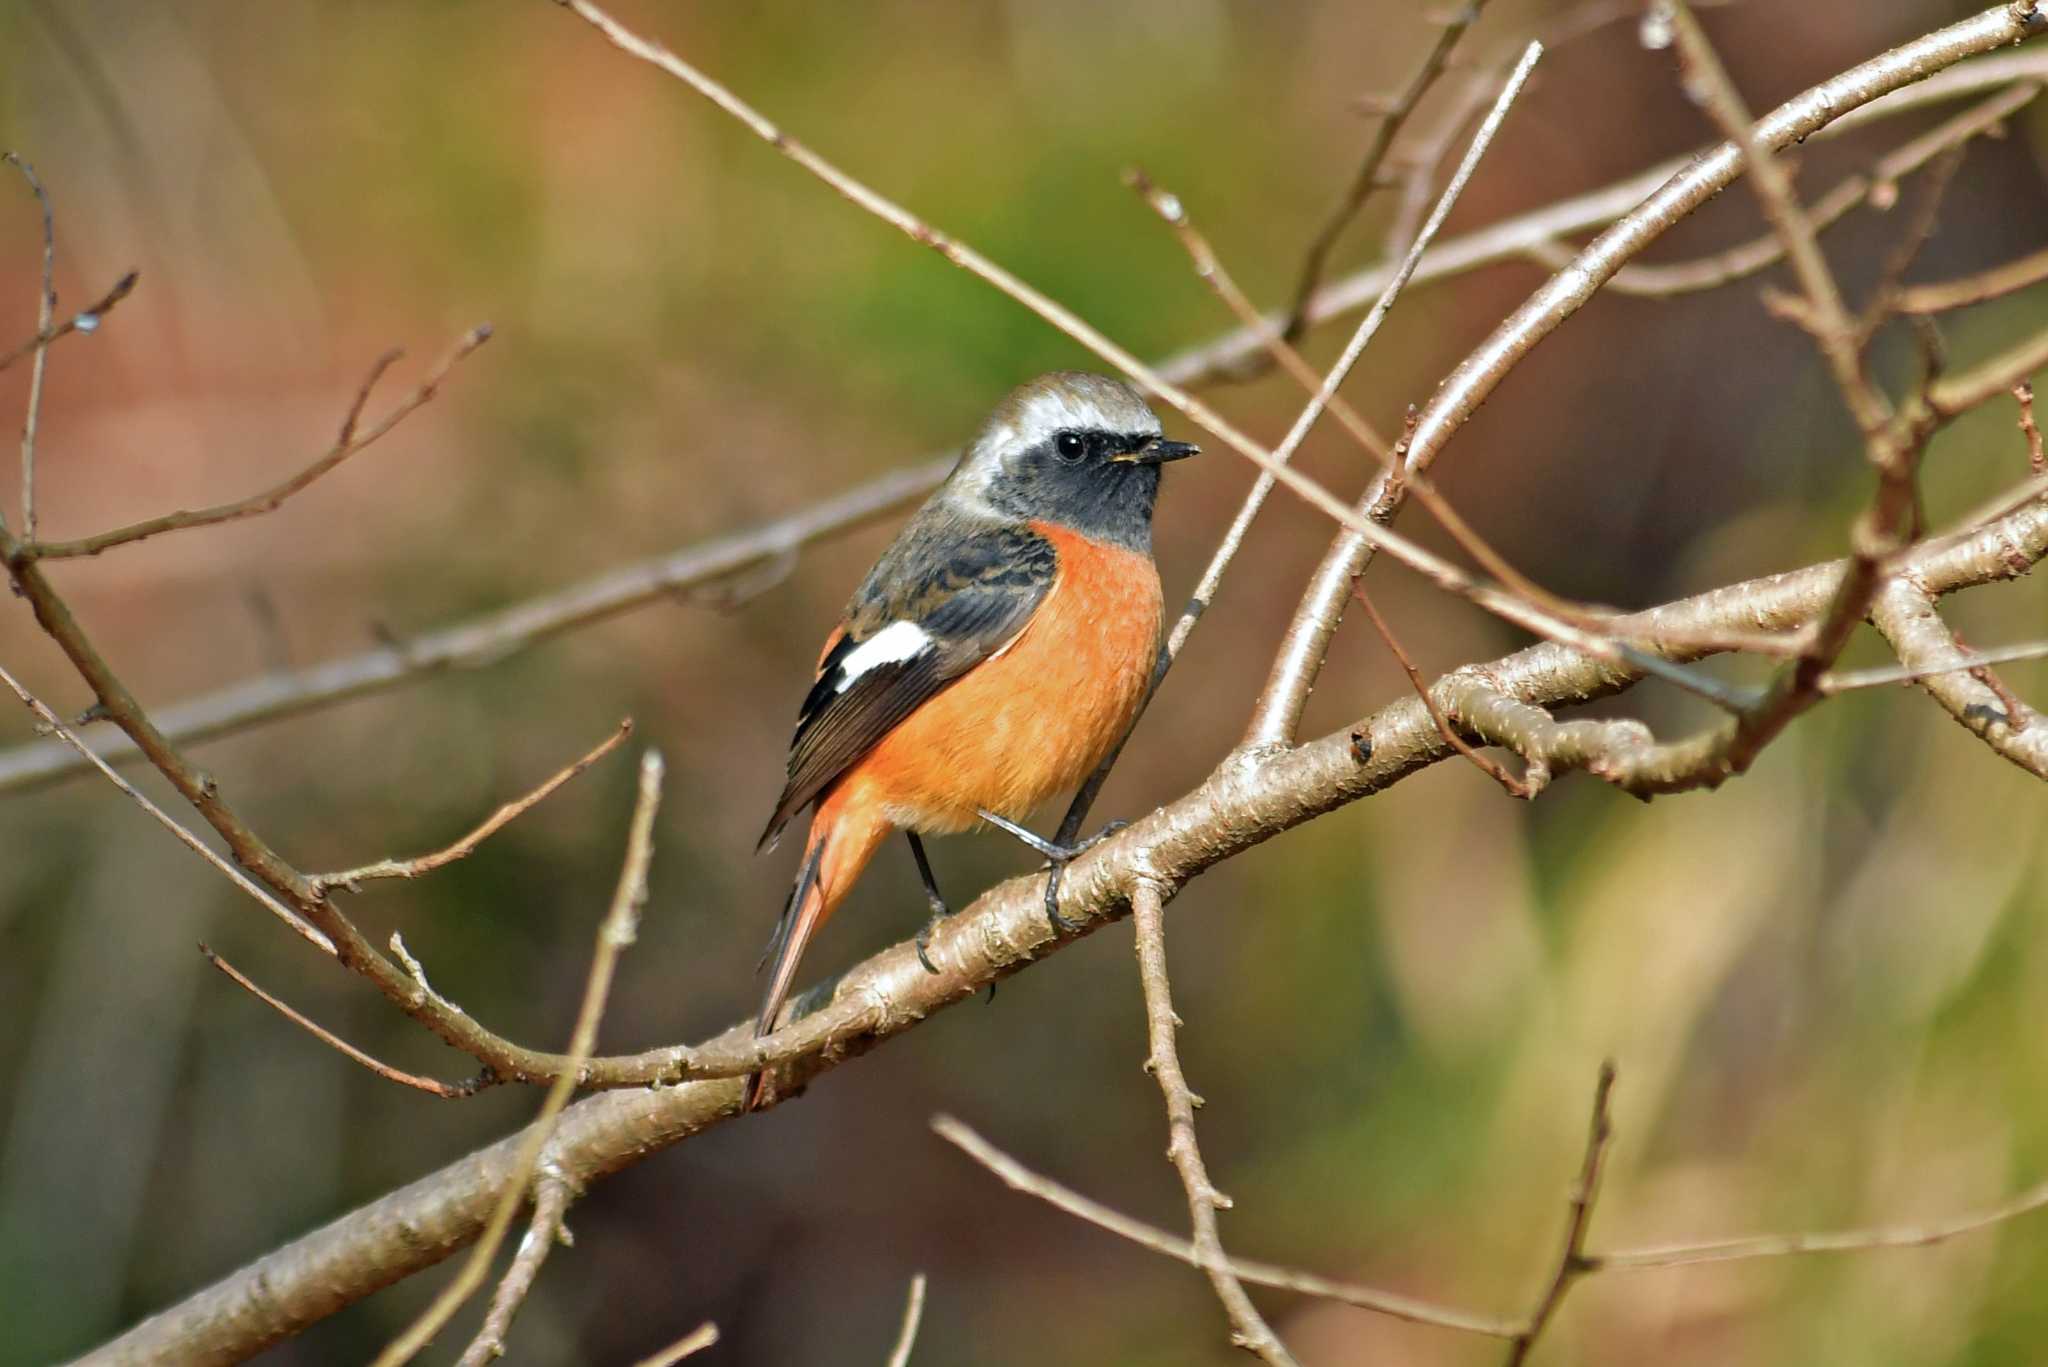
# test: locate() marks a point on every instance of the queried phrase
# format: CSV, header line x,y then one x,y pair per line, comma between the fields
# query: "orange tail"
x,y
846,830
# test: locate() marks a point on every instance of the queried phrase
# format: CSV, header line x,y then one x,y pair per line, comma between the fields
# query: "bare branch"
x,y
46,308
620,926
491,637
1984,382
1995,283
1724,267
1855,96
1486,765
192,842
1849,1241
2030,431
1906,615
696,1341
1020,1178
1572,1262
551,1198
1391,117
1322,394
495,822
1249,1329
347,444
85,320
1547,746
485,640
913,1313
431,1086
1241,805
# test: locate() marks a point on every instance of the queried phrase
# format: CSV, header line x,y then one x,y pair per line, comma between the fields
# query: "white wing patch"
x,y
893,644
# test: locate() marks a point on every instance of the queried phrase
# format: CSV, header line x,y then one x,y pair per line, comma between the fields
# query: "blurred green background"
x,y
1823,985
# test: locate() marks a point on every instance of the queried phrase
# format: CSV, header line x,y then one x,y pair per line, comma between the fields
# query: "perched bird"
x,y
1000,647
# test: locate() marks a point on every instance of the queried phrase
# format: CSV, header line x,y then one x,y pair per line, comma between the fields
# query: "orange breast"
x,y
1034,720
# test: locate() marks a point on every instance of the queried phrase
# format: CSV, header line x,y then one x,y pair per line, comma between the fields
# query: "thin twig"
x,y
431,1086
1485,763
1274,468
1996,283
348,443
1249,1329
2030,431
1240,805
1844,681
476,642
551,1198
1904,77
1273,462
501,634
85,320
1572,1262
1930,654
311,934
913,1313
1020,1178
1391,117
46,309
495,822
1210,269
1667,279
621,924
696,1341
1847,1241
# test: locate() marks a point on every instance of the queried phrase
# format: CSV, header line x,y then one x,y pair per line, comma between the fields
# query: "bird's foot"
x,y
940,912
1057,857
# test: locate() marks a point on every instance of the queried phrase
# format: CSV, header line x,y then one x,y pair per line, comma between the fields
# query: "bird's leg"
x,y
937,899
1056,855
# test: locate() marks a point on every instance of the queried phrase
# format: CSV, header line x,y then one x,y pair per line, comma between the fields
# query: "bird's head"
x,y
1074,449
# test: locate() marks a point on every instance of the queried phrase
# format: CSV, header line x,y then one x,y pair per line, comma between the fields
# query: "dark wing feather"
x,y
971,588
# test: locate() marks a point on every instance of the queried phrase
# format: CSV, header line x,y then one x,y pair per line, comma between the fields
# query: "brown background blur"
x,y
1823,984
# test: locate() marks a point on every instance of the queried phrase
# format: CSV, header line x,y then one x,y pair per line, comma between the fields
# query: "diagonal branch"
x,y
478,641
1020,1178
621,925
46,308
913,1314
346,444
1249,1329
432,1086
192,842
1239,806
491,825
1391,117
1827,105
85,320
487,639
1572,1262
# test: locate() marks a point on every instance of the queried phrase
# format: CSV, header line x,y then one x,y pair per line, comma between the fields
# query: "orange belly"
x,y
1034,720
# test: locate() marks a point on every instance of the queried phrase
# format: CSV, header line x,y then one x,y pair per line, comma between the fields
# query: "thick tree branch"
x,y
1241,805
487,639
1279,709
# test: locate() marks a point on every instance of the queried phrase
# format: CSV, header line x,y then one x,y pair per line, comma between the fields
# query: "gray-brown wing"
x,y
934,607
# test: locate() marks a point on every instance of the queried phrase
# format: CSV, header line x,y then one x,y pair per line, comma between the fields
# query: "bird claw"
x,y
924,938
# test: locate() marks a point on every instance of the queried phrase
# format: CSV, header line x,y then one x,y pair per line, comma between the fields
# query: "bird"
x,y
999,648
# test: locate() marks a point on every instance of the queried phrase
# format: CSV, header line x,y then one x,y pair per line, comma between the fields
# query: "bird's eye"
x,y
1070,445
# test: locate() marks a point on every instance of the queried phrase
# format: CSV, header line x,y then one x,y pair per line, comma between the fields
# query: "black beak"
x,y
1158,451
